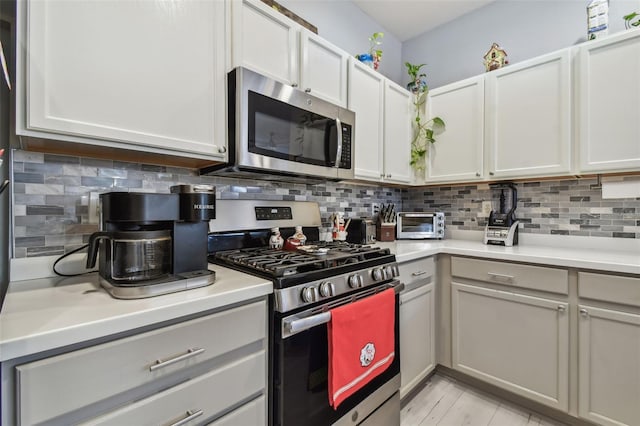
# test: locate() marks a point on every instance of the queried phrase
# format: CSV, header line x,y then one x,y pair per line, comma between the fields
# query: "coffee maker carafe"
x,y
152,244
502,227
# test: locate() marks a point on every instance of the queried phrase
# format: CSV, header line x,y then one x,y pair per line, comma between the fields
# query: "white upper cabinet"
x,y
366,96
264,40
398,107
323,69
138,75
457,154
273,45
609,104
528,117
383,125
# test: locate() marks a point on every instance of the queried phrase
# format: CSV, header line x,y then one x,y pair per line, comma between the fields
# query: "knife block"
x,y
385,231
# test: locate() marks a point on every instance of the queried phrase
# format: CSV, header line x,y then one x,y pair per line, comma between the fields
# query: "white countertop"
x,y
606,259
44,314
49,313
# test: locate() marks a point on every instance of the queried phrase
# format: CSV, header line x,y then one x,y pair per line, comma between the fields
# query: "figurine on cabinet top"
x,y
495,58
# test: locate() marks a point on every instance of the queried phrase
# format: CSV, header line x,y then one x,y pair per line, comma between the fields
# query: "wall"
x,y
51,196
348,27
524,28
554,207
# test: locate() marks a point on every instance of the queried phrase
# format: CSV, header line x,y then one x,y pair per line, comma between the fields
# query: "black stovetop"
x,y
313,261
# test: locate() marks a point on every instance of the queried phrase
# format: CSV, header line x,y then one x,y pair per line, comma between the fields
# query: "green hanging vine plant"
x,y
424,132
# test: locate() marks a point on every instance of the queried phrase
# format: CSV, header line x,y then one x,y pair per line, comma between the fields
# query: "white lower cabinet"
x,y
609,366
417,329
609,349
514,341
188,372
197,399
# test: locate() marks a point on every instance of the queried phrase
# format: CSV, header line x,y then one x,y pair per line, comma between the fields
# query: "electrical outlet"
x,y
486,208
375,209
94,208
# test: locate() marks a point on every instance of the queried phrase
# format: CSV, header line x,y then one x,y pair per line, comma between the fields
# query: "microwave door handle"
x,y
339,137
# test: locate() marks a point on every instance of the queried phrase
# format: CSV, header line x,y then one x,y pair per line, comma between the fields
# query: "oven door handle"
x,y
298,325
340,140
295,324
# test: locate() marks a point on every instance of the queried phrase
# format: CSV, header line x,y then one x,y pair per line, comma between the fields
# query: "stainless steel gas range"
x,y
307,286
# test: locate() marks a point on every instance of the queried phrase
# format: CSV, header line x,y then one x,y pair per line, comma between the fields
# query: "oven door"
x,y
300,366
284,129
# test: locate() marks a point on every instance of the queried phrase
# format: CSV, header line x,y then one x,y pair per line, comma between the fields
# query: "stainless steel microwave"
x,y
420,225
277,129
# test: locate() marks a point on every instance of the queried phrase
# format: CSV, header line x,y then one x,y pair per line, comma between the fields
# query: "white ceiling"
x,y
406,19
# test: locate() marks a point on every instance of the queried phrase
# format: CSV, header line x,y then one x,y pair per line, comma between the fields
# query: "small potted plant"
x,y
424,132
373,57
417,83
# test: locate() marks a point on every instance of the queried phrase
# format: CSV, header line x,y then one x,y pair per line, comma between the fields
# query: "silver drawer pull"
x,y
191,414
190,353
501,277
562,308
417,274
584,312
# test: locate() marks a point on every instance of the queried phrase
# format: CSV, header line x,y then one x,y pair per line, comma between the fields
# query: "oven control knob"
x,y
377,274
388,272
309,294
326,289
356,281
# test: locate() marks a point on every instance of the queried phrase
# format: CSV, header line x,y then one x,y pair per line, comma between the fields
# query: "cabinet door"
x,y
398,116
417,329
133,72
457,154
528,111
517,342
323,69
264,40
609,104
609,366
366,88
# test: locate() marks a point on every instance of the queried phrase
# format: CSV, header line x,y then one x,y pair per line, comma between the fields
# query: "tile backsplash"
x,y
51,200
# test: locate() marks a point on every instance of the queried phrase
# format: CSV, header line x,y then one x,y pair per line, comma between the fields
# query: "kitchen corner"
x,y
604,254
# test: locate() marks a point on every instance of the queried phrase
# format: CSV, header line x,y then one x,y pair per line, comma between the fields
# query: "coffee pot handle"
x,y
92,251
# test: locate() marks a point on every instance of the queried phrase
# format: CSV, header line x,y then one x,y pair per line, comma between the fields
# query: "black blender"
x,y
502,227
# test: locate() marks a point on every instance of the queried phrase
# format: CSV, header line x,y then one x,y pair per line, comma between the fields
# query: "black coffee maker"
x,y
153,244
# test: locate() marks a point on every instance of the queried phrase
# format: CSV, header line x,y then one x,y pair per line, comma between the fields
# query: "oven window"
x,y
277,129
417,224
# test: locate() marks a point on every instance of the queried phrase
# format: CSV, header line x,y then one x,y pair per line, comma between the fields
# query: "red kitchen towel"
x,y
361,344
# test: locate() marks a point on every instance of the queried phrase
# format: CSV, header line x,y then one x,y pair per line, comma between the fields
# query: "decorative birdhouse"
x,y
495,58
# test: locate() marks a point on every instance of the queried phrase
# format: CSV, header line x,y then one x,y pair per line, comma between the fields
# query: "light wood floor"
x,y
446,402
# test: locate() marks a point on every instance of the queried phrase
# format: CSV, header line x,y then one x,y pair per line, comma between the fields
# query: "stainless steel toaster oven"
x,y
420,225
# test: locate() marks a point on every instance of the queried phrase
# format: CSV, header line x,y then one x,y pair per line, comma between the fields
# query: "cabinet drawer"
x,y
512,274
609,288
53,386
417,272
252,413
198,399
